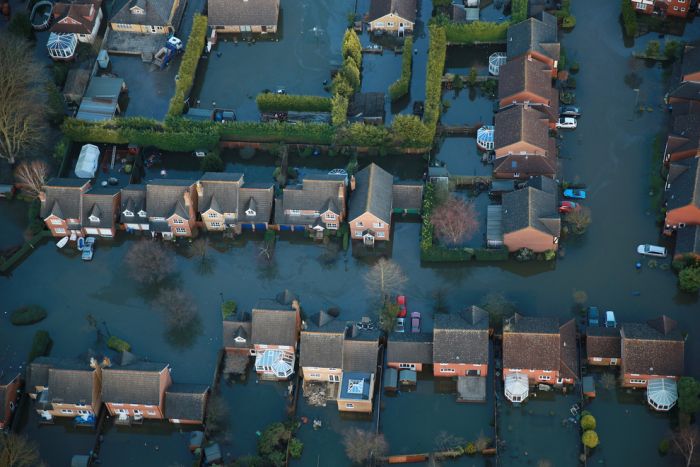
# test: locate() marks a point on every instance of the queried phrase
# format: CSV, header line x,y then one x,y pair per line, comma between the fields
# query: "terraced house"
x,y
61,205
186,404
603,346
132,212
275,334
682,195
535,37
100,208
409,350
461,343
134,392
171,207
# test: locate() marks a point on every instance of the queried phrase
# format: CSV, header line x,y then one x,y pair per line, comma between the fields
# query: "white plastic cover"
x,y
87,161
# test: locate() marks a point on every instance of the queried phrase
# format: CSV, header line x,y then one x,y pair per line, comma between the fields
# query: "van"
x,y
610,319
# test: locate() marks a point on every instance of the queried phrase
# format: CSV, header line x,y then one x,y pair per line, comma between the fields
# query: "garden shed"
x,y
76,83
62,46
516,387
408,377
494,226
87,161
662,394
391,377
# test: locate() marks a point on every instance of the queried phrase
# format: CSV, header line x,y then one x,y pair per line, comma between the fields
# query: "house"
x,y
172,207
603,346
461,343
186,404
688,241
132,208
650,351
233,16
360,350
100,208
522,130
317,204
226,202
82,18
237,344
409,350
136,391
370,205
275,334
530,217
10,384
687,80
392,16
148,16
541,349
321,352
526,81
101,99
682,195
683,140
61,205
537,37
367,107
677,8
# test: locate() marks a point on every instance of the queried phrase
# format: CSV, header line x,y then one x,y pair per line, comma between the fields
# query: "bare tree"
x,y
22,107
385,278
180,308
217,415
200,251
579,219
454,220
32,176
361,445
149,262
684,442
18,451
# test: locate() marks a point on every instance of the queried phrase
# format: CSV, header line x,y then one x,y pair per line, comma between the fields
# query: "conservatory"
x,y
485,137
517,387
62,46
662,394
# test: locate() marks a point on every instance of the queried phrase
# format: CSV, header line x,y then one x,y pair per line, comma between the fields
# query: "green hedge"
x,y
309,133
27,315
40,345
629,18
228,308
478,31
518,10
7,263
359,134
120,345
409,131
401,86
437,51
491,254
271,102
188,65
447,255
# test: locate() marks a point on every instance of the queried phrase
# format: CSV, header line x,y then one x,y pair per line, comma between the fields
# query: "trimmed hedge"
x,y
629,19
518,10
188,65
437,51
409,131
491,254
40,345
309,133
478,31
27,315
401,86
271,102
120,345
447,255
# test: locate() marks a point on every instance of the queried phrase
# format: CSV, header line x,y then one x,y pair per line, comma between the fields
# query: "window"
x,y
516,174
117,404
613,361
213,215
379,24
128,214
390,24
294,212
250,213
59,230
349,406
124,411
545,378
137,412
142,213
56,222
177,220
216,224
380,234
358,234
314,375
359,224
180,230
597,359
66,411
330,216
330,225
675,8
151,412
83,412
410,366
447,370
378,225
637,381
334,378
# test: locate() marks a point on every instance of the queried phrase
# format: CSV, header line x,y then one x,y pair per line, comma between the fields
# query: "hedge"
x,y
518,10
40,345
188,65
629,19
409,131
7,263
271,102
491,254
437,51
309,133
401,86
228,308
27,315
478,31
120,345
447,255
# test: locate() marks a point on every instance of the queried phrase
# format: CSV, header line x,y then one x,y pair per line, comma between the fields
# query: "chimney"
x,y
352,183
188,199
295,306
42,196
200,189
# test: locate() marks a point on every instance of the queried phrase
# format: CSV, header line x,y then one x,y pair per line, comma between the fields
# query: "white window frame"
x,y
59,230
213,215
330,216
177,220
128,213
216,224
380,234
331,225
151,412
359,224
295,212
378,225
637,381
447,370
180,230
545,378
358,234
349,406
66,411
409,366
56,222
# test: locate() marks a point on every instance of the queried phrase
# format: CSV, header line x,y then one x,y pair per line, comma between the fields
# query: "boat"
x,y
575,193
62,242
88,249
40,16
81,243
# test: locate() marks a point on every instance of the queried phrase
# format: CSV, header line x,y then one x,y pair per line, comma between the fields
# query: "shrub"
x,y
689,279
228,308
491,254
118,344
352,48
568,22
478,31
588,422
339,109
61,149
409,131
40,345
359,134
27,315
575,67
549,255
653,48
470,449
271,102
188,65
664,446
629,18
401,86
351,72
590,439
518,10
295,448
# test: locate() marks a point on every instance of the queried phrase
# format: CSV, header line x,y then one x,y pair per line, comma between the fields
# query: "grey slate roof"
x,y
691,60
684,177
260,197
520,123
312,195
186,401
688,240
63,198
534,34
407,195
603,342
133,384
360,353
243,12
523,74
322,348
274,324
686,90
461,338
166,197
656,347
99,202
531,207
238,328
406,9
133,198
409,347
157,13
38,370
71,386
220,192
373,193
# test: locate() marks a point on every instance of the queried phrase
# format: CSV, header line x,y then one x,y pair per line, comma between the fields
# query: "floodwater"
x,y
14,215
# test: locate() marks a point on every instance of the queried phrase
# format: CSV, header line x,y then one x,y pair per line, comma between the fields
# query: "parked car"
x,y
610,319
401,302
652,250
569,111
88,249
593,319
415,321
568,206
566,122
400,323
575,193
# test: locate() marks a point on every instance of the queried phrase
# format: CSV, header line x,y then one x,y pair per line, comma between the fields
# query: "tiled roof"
x,y
686,90
71,386
186,401
407,195
5,380
531,207
220,192
690,62
406,9
99,202
243,12
133,198
63,196
461,338
531,343
409,347
322,348
373,193
312,195
274,324
38,370
526,164
524,74
684,177
75,18
133,384
166,197
568,350
237,329
688,240
521,123
655,347
260,198
534,34
603,342
360,352
157,13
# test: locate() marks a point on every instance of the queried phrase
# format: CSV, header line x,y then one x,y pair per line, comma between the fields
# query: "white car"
x,y
400,325
652,250
566,122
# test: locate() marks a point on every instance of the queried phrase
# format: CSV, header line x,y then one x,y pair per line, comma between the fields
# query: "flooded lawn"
x,y
14,215
462,157
57,443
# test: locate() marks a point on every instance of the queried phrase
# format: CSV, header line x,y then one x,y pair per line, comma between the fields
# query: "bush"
x,y
401,86
339,110
188,65
575,67
61,149
478,31
653,48
629,18
518,10
689,279
228,308
351,47
568,22
409,131
271,102
40,345
588,422
470,449
664,446
590,439
118,344
27,315
295,448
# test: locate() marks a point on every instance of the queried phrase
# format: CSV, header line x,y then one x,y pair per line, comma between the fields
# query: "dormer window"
x,y
137,10
240,340
94,218
250,213
142,213
213,215
128,213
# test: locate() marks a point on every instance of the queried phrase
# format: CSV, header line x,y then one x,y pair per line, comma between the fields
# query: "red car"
x,y
401,302
568,206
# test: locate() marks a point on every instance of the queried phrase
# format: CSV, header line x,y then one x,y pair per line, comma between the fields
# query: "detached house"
x,y
603,346
526,81
317,204
682,195
10,384
321,352
392,16
226,202
100,210
171,207
677,8
237,344
541,349
360,350
132,210
234,16
409,350
461,343
148,16
81,18
536,37
136,391
530,218
61,205
275,334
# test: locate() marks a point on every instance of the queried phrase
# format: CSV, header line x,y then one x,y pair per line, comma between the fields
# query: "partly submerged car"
x,y
568,206
400,325
415,321
401,302
652,250
593,316
566,122
576,193
569,111
88,249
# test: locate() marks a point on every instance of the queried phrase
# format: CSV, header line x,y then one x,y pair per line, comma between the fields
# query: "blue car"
x,y
575,193
593,316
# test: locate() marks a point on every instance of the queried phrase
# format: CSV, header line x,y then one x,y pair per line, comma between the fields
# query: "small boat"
x,y
62,242
81,243
88,249
40,16
575,193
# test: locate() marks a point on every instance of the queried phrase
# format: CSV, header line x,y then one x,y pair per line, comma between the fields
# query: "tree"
x,y
385,278
653,48
351,73
217,415
18,451
579,219
471,79
629,18
21,100
409,131
149,262
352,48
339,109
684,441
32,176
454,220
498,307
361,445
689,279
180,308
590,439
272,443
688,395
588,422
387,316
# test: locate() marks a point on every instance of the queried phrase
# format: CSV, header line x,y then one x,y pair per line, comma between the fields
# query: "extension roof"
x,y
410,347
653,348
186,401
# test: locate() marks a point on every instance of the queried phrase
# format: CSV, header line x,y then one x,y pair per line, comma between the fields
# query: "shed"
x,y
662,394
87,161
79,460
471,389
76,83
588,386
212,453
62,46
408,377
516,387
494,225
391,377
196,440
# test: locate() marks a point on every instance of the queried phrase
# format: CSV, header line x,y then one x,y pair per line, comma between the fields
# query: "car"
x,y
401,302
88,249
568,206
400,323
576,193
610,321
566,122
415,321
652,250
569,111
593,319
